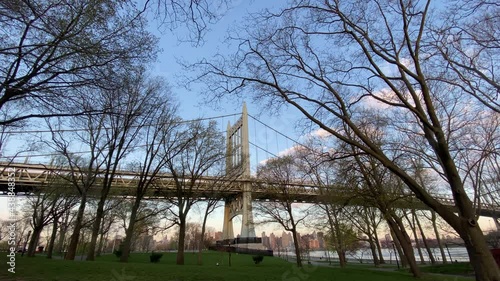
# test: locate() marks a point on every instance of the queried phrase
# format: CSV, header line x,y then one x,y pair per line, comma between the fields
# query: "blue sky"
x,y
191,101
191,105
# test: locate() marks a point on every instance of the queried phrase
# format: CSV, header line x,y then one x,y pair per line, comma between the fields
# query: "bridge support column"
x,y
238,164
247,226
227,227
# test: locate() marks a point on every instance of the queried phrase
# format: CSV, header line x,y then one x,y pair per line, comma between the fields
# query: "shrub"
x,y
118,253
155,257
257,259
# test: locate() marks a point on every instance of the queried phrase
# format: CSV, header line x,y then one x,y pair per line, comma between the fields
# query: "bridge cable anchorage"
x,y
145,125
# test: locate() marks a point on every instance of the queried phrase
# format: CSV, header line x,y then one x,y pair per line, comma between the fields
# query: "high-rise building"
x,y
272,241
265,240
321,240
218,236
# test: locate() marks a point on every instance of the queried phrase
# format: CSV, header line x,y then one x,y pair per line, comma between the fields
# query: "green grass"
x,y
139,268
451,268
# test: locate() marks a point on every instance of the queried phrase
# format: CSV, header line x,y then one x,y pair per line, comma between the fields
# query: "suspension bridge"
x,y
237,192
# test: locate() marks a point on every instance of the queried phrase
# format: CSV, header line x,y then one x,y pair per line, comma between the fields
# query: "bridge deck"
x,y
31,177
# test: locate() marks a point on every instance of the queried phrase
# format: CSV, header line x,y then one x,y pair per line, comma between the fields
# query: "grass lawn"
x,y
107,268
452,268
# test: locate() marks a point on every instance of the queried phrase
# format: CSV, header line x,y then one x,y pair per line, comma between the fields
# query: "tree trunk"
x,y
202,238
399,252
73,244
127,243
100,245
438,237
479,254
53,236
297,247
96,226
379,247
424,239
334,228
341,251
62,234
374,251
35,236
414,230
182,238
403,240
417,245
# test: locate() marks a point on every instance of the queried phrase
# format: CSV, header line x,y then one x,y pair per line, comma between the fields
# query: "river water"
x,y
458,254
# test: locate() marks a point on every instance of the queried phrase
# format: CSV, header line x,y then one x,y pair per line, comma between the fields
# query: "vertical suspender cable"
x,y
267,146
256,149
277,145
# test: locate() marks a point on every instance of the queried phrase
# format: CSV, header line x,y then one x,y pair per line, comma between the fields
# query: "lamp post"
x,y
229,249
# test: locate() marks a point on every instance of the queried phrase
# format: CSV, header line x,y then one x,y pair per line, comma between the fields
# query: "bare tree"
x,y
203,152
66,220
278,177
81,173
332,60
467,41
45,208
132,107
412,225
219,184
69,200
22,232
367,220
53,48
320,171
195,16
161,141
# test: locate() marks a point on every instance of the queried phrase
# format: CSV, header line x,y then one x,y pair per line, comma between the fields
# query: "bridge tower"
x,y
238,165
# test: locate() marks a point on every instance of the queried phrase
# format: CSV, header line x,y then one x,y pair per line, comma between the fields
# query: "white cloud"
x,y
385,94
321,133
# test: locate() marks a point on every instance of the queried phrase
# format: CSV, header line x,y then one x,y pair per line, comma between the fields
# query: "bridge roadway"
x,y
31,177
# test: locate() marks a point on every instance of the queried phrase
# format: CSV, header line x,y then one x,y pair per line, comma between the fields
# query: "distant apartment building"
x,y
265,240
218,236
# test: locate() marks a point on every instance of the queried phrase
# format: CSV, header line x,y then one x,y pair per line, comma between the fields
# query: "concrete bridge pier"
x,y
240,205
227,227
238,162
247,226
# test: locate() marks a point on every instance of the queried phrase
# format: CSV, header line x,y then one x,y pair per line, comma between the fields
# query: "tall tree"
x,y
132,106
332,60
467,40
53,48
320,171
45,207
203,152
81,172
161,139
219,183
279,177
